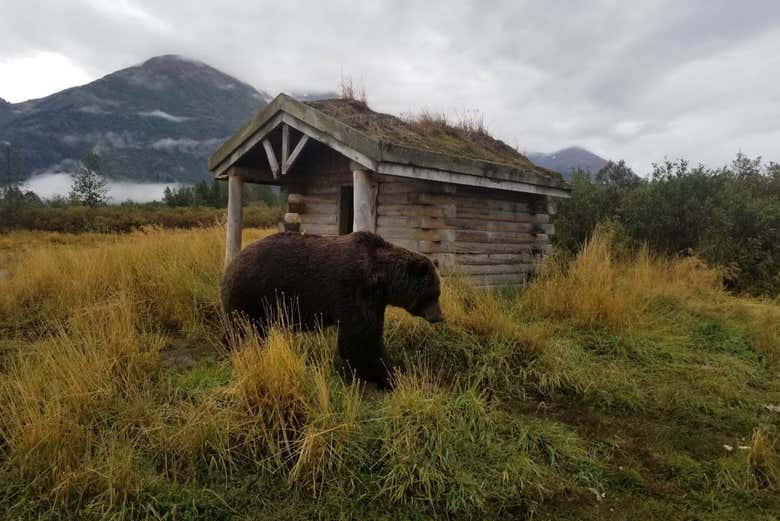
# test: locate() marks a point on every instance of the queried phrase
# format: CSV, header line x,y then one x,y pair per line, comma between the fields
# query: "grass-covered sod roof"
x,y
430,143
466,137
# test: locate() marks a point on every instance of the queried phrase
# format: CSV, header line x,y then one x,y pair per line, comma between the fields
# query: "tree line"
x,y
728,216
89,188
86,208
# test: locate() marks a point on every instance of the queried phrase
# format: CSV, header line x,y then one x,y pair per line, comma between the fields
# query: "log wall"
x,y
318,180
496,237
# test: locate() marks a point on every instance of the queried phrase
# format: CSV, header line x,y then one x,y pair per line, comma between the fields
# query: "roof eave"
x,y
237,139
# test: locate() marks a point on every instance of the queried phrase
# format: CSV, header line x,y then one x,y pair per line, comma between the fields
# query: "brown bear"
x,y
346,281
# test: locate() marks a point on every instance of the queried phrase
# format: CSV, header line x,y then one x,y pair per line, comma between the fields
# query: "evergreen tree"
x,y
89,185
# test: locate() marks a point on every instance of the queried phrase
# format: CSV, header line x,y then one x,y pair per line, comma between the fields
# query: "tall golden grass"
x,y
89,412
604,286
173,276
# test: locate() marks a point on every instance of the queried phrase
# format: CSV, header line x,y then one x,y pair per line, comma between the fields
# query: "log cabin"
x,y
473,204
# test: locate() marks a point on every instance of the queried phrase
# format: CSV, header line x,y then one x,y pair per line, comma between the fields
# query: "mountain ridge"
x,y
157,121
565,160
134,119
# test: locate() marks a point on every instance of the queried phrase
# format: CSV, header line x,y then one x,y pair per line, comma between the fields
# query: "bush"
x,y
129,217
730,217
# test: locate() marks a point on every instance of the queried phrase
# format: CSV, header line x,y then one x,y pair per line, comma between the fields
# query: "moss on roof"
x,y
426,132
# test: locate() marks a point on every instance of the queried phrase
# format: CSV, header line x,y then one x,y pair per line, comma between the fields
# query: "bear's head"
x,y
414,285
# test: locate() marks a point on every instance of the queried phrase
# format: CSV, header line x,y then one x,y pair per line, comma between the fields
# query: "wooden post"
x,y
364,191
234,219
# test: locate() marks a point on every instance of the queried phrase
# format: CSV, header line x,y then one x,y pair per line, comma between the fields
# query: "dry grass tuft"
x,y
352,90
479,312
326,444
59,394
269,386
763,461
602,285
173,290
468,123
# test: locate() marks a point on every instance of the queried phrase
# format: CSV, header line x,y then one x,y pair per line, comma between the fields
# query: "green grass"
x,y
644,399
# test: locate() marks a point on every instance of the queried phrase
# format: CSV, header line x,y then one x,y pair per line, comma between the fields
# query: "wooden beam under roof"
x,y
288,163
269,151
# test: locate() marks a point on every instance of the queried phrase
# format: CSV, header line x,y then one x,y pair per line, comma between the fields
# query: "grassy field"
x,y
615,386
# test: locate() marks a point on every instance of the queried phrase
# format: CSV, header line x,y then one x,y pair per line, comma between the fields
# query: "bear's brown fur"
x,y
346,280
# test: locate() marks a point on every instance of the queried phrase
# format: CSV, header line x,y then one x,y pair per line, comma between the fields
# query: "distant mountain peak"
x,y
171,58
565,160
155,121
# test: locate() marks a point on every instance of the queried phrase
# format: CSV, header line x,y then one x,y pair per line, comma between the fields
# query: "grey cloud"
x,y
633,80
51,184
157,113
187,144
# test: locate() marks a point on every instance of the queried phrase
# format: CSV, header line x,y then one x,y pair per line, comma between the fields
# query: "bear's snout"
x,y
433,313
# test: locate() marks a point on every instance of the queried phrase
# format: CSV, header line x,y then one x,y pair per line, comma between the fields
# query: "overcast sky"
x,y
634,80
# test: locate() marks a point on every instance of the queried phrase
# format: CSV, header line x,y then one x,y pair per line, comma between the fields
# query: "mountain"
x,y
568,159
6,111
157,121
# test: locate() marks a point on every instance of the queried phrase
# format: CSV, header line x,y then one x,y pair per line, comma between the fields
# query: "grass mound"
x,y
616,385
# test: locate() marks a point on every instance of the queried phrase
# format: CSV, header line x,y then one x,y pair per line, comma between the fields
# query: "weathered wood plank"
x,y
416,221
500,279
410,210
420,198
226,160
415,234
288,164
499,215
324,208
317,218
234,219
489,226
448,176
493,204
330,140
319,229
475,247
494,269
405,187
313,189
295,203
493,237
493,258
364,198
318,198
285,145
274,164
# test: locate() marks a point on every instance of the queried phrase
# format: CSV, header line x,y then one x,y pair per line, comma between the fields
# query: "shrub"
x,y
730,217
129,217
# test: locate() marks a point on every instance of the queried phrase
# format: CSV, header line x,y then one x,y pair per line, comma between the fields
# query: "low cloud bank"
x,y
51,185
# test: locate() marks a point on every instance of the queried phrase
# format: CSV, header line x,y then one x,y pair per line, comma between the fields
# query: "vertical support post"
x,y
364,190
285,145
234,218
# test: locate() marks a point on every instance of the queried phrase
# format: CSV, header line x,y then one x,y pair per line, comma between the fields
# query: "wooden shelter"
x,y
468,201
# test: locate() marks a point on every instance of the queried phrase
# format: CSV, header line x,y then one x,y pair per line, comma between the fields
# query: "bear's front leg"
x,y
362,348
